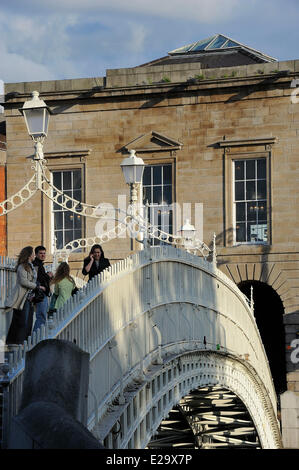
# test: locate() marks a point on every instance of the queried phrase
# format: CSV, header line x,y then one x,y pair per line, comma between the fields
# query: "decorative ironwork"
x,y
19,198
132,221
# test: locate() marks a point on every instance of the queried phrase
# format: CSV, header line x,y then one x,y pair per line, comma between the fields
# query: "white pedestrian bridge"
x,y
167,333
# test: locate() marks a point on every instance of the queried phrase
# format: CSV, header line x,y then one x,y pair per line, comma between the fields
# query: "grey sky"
x,y
59,39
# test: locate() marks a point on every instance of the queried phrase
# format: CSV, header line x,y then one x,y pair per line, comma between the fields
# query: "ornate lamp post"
x,y
37,114
133,168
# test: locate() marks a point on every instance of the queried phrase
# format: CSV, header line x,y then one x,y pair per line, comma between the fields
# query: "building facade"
x,y
217,126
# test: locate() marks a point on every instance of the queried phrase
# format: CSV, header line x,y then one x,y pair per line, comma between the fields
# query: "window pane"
x,y
68,236
167,174
77,234
239,191
240,211
250,190
167,197
157,194
147,175
240,233
170,221
261,189
77,221
77,179
147,195
59,239
58,220
57,179
77,195
159,217
165,214
257,232
157,174
68,192
262,211
250,169
66,180
252,232
261,168
251,210
239,170
153,214
68,220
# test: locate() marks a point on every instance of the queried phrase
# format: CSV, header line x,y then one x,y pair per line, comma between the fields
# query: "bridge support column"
x,y
290,398
290,419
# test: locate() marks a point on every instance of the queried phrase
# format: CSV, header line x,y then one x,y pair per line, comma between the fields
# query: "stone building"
x,y
217,125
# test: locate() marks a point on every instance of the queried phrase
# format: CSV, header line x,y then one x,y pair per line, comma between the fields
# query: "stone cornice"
x,y
247,142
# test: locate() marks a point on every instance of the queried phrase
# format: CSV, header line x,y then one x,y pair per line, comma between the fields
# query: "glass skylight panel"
x,y
232,44
182,49
200,45
218,43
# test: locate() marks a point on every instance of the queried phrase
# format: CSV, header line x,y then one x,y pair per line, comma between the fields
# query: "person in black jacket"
x,y
43,280
95,263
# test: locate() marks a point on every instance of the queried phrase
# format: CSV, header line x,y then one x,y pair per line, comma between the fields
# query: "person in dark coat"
x,y
95,263
43,279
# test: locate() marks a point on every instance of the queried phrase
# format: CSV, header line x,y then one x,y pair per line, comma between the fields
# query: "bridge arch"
x,y
149,402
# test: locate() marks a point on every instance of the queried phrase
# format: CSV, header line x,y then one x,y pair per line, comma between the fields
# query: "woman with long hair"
x,y
95,263
64,284
20,299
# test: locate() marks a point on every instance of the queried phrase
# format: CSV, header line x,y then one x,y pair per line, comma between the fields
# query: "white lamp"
x,y
36,114
132,168
188,230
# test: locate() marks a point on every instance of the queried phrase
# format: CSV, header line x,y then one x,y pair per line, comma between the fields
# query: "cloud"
x,y
16,68
204,11
33,48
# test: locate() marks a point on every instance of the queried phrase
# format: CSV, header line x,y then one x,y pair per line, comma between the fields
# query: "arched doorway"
x,y
268,312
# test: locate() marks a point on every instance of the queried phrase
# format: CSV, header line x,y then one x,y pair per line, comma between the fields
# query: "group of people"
x,y
34,287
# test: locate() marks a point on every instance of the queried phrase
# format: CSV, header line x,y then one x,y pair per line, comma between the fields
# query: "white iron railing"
x,y
7,277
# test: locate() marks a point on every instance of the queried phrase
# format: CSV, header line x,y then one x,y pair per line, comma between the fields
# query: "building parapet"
x,y
153,75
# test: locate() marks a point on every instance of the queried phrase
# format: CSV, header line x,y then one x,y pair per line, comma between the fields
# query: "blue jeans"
x,y
41,313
